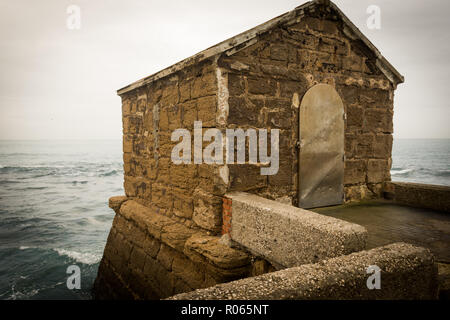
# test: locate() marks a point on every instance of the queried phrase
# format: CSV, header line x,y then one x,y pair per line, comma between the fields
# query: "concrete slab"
x,y
388,222
288,236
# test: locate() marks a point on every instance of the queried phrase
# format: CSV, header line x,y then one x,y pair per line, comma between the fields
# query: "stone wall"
x,y
150,256
407,272
189,194
419,195
267,80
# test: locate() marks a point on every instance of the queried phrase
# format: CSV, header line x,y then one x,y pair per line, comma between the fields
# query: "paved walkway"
x,y
387,222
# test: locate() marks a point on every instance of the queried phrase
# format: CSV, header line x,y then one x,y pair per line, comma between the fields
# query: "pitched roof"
x,y
249,37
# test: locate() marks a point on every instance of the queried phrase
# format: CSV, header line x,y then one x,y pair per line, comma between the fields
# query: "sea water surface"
x,y
54,207
54,213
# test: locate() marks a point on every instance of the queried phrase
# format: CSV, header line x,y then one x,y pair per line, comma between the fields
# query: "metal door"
x,y
321,154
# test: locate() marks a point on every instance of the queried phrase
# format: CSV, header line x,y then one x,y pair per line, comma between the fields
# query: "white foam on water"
x,y
400,172
17,295
93,221
85,258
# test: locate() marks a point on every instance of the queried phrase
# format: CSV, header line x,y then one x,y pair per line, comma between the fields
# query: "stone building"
x,y
309,73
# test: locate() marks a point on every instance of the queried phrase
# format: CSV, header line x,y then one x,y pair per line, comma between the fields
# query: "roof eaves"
x,y
218,48
246,37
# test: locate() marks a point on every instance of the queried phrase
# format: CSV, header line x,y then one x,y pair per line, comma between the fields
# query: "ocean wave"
x,y
18,295
93,221
108,174
85,258
31,167
401,172
31,188
8,182
442,173
79,182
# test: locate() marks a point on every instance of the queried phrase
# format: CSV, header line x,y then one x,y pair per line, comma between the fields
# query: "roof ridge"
x,y
247,36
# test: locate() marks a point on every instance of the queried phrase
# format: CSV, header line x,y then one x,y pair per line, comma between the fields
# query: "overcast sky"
x,y
57,83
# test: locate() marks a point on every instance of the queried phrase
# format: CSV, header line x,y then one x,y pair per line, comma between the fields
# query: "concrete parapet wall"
x,y
419,195
407,272
288,236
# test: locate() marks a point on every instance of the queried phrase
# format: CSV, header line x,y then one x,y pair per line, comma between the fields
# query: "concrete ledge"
x,y
420,195
288,236
407,272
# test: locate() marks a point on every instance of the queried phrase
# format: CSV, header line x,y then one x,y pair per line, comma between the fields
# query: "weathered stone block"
x,y
284,176
116,202
262,86
288,88
126,106
151,246
127,144
175,235
236,84
185,90
137,258
206,111
280,119
188,114
355,116
350,145
192,274
279,52
355,172
244,177
352,63
183,205
382,147
170,94
207,211
147,220
204,85
375,97
135,235
210,248
165,257
378,171
243,111
378,120
330,27
174,115
129,186
349,94
183,175
364,145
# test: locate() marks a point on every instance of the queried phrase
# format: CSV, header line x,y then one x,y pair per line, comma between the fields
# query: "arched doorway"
x,y
321,154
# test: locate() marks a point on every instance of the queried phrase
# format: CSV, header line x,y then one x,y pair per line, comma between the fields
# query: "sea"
x,y
54,210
